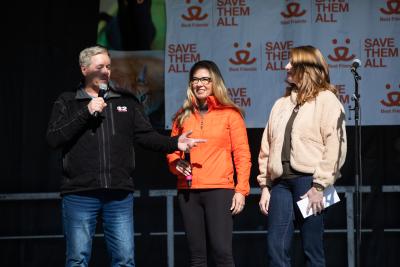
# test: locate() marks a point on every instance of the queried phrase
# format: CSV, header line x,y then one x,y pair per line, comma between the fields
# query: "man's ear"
x,y
84,70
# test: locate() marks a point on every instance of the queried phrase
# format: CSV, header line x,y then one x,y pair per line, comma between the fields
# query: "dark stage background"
x,y
41,41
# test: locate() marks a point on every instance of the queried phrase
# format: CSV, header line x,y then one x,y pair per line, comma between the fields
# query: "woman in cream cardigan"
x,y
302,149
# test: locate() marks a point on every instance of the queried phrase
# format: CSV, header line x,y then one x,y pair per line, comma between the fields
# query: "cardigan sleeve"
x,y
333,131
264,178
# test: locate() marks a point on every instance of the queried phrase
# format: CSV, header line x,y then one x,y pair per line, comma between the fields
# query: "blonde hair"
x,y
310,73
85,56
219,91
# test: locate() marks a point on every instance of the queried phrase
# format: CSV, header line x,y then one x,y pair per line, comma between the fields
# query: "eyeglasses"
x,y
203,80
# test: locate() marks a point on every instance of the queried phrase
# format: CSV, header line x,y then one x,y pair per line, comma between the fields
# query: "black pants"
x,y
208,221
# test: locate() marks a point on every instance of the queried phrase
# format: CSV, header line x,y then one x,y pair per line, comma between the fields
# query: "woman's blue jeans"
x,y
283,215
80,213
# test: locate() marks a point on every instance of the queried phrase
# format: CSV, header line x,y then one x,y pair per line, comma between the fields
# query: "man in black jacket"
x,y
97,135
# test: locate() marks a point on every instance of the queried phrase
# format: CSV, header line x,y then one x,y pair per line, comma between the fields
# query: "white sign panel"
x,y
250,42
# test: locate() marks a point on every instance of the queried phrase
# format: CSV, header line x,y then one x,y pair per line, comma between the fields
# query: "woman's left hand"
x,y
315,200
238,202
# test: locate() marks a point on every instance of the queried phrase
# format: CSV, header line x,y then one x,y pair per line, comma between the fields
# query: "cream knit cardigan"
x,y
318,143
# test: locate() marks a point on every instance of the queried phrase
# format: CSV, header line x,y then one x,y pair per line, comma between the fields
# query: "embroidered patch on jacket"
x,y
122,108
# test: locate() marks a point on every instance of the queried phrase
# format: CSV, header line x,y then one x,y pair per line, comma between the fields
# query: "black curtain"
x,y
43,39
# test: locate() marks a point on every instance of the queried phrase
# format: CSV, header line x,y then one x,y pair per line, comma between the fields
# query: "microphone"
x,y
356,63
102,92
188,177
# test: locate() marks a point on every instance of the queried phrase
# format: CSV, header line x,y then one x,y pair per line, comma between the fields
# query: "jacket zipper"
x,y
102,145
108,163
112,119
202,123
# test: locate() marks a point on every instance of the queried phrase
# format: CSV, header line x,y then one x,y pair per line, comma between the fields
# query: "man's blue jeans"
x,y
80,212
283,215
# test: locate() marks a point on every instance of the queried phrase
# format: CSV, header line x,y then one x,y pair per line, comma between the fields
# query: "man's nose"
x,y
105,72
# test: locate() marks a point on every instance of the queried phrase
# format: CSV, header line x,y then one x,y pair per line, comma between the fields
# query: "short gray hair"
x,y
86,54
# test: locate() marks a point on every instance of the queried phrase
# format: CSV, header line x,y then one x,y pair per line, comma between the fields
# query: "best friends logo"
x,y
378,49
194,16
341,53
391,12
243,58
392,102
327,10
392,7
293,13
230,10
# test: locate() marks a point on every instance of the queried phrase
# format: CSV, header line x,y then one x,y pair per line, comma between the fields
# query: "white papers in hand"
x,y
330,197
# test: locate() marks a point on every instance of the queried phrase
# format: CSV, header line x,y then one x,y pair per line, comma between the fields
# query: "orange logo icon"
x,y
242,56
293,10
194,12
393,7
341,52
393,98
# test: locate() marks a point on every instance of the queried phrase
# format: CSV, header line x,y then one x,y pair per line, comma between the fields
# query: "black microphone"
x,y
356,63
188,177
102,92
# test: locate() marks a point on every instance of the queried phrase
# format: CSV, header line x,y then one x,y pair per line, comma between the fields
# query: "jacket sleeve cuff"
x,y
243,192
173,144
323,180
264,182
85,113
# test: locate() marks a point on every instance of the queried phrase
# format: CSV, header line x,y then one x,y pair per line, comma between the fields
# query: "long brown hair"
x,y
219,91
310,73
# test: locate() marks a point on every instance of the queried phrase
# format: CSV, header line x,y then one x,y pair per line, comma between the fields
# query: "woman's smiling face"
x,y
201,84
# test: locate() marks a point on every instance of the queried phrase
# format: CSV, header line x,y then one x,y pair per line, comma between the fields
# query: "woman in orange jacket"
x,y
208,194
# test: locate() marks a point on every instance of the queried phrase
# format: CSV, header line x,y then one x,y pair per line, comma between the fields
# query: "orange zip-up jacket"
x,y
226,148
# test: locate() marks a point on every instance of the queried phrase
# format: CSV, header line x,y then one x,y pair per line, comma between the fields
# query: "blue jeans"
x,y
80,212
283,214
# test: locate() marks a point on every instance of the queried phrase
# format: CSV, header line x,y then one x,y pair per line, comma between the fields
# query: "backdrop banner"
x,y
250,42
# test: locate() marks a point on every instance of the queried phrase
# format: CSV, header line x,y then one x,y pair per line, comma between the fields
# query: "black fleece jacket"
x,y
98,152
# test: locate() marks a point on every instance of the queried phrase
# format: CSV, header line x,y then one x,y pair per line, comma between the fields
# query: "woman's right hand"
x,y
264,200
184,167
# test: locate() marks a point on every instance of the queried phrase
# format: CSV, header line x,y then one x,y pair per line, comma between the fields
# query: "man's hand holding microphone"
x,y
97,104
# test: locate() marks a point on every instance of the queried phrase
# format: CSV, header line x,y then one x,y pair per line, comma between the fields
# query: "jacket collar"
x,y
212,103
293,97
